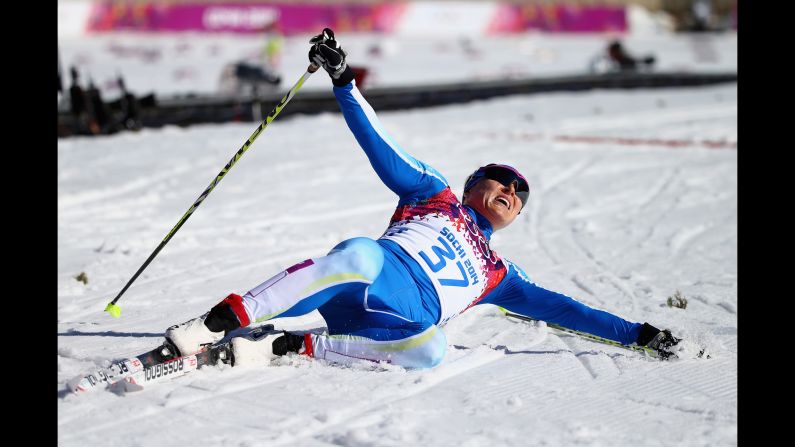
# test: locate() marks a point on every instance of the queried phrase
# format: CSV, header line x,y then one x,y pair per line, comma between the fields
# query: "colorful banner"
x,y
386,17
241,18
558,18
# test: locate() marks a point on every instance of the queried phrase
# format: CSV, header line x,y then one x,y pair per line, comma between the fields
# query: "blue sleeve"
x,y
518,294
409,178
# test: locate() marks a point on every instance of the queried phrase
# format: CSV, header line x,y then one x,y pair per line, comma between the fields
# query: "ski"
x,y
159,363
120,369
152,368
641,349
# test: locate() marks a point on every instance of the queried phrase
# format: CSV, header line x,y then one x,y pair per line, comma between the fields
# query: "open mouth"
x,y
503,201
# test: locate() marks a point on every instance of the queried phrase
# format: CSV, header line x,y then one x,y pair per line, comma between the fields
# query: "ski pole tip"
x,y
113,310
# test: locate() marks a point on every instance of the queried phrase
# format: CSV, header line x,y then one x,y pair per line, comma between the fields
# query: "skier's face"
x,y
496,202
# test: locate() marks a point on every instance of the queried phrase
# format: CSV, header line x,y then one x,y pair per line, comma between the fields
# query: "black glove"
x,y
287,342
660,341
327,53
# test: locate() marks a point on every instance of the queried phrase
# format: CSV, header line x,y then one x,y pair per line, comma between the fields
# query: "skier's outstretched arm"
x,y
409,178
517,293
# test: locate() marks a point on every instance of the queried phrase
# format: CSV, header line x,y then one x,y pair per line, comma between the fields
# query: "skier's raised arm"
x,y
409,178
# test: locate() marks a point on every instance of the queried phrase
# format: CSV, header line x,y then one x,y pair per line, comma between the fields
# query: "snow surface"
x,y
633,197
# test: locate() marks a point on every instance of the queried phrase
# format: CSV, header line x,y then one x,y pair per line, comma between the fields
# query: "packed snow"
x,y
633,198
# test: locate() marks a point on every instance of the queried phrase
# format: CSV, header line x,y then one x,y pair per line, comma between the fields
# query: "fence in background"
x,y
212,109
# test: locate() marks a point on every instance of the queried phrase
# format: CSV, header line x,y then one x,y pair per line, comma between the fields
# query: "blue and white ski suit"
x,y
387,299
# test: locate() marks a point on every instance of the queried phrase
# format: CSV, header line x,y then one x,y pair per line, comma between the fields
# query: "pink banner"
x,y
136,15
241,17
512,18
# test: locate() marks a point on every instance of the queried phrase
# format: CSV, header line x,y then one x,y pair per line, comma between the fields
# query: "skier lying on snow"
x,y
387,299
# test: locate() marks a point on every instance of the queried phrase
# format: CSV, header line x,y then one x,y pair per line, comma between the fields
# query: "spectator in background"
x,y
130,116
79,105
617,59
360,75
701,16
272,51
101,119
623,60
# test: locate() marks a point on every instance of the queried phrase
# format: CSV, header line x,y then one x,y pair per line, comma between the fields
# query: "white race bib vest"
x,y
452,252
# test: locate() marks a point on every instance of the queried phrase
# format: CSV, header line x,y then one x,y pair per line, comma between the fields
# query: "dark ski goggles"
x,y
504,174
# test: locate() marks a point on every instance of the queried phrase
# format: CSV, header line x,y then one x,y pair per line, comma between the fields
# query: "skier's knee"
x,y
432,352
363,255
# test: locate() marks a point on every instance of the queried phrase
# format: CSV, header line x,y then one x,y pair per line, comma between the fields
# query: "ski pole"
x,y
644,349
112,308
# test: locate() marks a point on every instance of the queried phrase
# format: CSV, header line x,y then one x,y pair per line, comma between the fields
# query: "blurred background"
x,y
128,64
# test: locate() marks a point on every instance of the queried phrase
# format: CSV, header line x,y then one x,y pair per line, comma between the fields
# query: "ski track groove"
x,y
608,274
531,381
170,405
594,355
653,225
568,174
535,221
582,285
660,188
727,307
574,350
653,199
710,414
354,414
683,238
605,272
587,407
375,419
416,390
683,386
714,387
67,202
537,218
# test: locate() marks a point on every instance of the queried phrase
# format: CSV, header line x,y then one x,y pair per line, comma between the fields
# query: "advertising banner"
x,y
385,17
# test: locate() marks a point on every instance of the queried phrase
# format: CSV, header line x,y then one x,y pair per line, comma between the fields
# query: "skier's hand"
x,y
661,341
327,53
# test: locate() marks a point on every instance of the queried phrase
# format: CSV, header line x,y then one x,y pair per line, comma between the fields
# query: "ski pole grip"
x,y
312,68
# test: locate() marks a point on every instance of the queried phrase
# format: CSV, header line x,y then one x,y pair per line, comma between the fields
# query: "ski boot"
x,y
193,335
263,344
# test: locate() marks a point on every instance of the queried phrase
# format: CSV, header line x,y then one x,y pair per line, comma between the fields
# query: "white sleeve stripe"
x,y
375,123
518,270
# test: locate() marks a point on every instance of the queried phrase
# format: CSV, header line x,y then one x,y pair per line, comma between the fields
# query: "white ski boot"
x,y
256,347
191,336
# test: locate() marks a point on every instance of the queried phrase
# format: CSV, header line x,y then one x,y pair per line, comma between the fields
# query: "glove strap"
x,y
647,334
345,77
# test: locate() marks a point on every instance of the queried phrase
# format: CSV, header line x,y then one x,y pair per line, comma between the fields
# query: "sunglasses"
x,y
506,176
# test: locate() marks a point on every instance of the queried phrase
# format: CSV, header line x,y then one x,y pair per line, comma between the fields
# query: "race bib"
x,y
449,258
